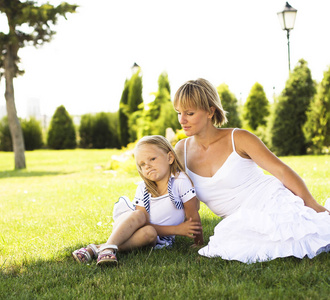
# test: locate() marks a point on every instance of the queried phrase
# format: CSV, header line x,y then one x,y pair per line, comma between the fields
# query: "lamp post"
x,y
287,18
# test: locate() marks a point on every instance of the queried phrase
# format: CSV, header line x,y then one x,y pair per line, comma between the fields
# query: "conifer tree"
x,y
123,116
61,133
230,105
256,107
290,112
131,103
160,114
317,127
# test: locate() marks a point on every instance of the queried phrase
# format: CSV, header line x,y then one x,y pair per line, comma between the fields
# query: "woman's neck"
x,y
206,138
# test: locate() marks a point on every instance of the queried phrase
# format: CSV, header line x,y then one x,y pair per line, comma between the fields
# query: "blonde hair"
x,y
163,144
201,94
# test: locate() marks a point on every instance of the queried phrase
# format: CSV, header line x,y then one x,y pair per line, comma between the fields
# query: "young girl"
x,y
165,206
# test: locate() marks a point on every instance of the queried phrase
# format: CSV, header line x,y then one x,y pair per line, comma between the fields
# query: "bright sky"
x,y
236,42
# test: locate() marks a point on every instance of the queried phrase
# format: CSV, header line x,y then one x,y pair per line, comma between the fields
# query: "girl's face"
x,y
193,120
154,163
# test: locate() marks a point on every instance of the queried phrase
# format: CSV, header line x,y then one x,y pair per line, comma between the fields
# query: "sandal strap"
x,y
94,249
84,252
105,254
106,246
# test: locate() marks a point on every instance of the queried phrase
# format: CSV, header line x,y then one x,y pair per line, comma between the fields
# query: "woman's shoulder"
x,y
243,135
180,145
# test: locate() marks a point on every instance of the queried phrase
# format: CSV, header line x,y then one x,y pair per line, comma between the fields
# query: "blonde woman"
x,y
265,216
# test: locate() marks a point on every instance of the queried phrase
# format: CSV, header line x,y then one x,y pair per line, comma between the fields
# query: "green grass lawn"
x,y
64,200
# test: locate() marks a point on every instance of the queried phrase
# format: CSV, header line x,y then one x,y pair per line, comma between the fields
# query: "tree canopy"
x,y
29,24
290,112
317,126
256,107
230,105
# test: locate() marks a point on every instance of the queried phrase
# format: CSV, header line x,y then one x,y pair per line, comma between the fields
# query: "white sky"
x,y
237,42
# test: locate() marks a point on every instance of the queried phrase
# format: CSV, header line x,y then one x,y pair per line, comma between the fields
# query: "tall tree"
x,y
256,107
290,112
37,21
230,105
135,92
160,113
317,127
131,105
123,114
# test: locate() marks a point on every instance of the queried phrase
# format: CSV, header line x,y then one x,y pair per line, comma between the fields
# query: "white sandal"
x,y
83,256
107,257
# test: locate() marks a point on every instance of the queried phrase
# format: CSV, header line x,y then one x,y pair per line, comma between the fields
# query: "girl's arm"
x,y
250,146
191,227
191,208
188,228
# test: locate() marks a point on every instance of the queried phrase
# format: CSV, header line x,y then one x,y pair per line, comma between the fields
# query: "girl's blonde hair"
x,y
201,94
163,144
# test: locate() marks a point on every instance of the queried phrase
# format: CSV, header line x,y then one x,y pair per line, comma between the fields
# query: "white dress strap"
x,y
232,139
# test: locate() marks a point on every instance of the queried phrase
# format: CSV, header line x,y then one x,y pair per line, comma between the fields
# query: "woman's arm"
x,y
250,146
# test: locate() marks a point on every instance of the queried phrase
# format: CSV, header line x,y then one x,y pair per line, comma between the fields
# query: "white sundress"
x,y
263,220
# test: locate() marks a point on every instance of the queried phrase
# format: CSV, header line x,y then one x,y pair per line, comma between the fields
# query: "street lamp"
x,y
287,18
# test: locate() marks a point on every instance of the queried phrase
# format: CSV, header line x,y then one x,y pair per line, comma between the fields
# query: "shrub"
x,y
86,131
61,133
99,131
32,134
5,137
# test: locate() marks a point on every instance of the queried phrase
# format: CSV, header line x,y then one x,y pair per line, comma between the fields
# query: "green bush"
x,y
86,131
61,133
5,137
32,134
99,131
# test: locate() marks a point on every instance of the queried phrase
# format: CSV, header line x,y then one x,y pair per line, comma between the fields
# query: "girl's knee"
x,y
150,234
139,217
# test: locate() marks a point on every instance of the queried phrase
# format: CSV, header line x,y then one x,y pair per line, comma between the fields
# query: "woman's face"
x,y
193,120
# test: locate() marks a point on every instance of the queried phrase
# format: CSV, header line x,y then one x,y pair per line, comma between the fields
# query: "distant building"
x,y
3,111
33,109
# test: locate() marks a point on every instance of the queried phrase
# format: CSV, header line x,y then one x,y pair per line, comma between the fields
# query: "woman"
x,y
265,216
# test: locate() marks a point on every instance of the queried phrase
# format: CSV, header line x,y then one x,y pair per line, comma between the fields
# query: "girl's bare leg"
x,y
147,235
125,226
130,232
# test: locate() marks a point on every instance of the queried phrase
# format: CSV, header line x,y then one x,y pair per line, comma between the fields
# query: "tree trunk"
x,y
14,124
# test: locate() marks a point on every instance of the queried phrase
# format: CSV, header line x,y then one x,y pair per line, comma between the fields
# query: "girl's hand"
x,y
190,228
